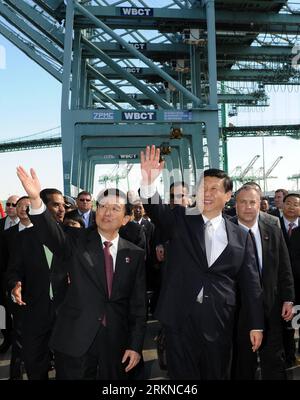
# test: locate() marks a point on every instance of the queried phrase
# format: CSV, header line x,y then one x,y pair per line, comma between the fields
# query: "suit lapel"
x,y
230,231
196,242
122,261
94,259
265,240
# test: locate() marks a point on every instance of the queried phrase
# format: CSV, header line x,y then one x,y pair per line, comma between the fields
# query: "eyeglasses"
x,y
11,204
87,200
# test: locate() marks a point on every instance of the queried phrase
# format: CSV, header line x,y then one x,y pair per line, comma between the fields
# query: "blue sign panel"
x,y
178,115
103,115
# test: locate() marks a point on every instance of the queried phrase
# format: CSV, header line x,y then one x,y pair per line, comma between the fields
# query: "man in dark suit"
x,y
10,246
289,222
278,290
9,221
197,300
278,200
100,326
85,208
38,282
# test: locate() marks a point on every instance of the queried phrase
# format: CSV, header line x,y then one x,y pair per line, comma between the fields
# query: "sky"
x,y
30,103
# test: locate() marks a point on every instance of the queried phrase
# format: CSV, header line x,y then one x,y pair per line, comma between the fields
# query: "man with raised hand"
x,y
100,326
208,257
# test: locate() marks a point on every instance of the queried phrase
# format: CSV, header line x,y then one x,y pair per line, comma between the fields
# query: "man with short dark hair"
x,y
100,326
278,200
208,256
38,285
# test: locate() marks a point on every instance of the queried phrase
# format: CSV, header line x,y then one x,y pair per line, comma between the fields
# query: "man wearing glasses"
x,y
84,204
10,220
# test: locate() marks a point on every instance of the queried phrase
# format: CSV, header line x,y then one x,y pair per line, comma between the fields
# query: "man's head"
x,y
138,210
54,201
179,194
264,204
291,206
278,198
10,207
113,211
214,192
22,207
248,204
84,201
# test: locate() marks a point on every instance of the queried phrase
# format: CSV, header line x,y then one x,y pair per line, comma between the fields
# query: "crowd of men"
x,y
79,280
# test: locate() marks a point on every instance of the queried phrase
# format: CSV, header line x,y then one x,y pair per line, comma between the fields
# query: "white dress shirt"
x,y
219,243
9,222
113,248
22,227
219,237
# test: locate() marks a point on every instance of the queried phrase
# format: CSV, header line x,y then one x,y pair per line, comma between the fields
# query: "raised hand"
x,y
151,166
30,183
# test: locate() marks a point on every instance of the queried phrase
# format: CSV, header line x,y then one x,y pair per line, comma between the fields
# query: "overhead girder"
x,y
259,131
28,49
34,35
38,20
103,148
237,98
175,20
171,51
259,75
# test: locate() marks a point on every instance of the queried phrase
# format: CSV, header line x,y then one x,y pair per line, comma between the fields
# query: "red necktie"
x,y
291,226
109,271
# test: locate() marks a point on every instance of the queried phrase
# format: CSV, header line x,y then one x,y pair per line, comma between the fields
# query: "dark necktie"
x,y
109,267
255,251
291,226
109,272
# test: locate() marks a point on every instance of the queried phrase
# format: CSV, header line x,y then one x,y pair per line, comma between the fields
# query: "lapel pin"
x,y
127,260
266,237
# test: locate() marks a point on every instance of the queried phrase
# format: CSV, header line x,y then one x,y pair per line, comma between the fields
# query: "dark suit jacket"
x,y
2,223
86,302
188,272
263,216
28,264
134,233
275,212
285,233
277,277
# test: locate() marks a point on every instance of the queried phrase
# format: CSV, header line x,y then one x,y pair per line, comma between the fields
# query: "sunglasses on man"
x,y
11,204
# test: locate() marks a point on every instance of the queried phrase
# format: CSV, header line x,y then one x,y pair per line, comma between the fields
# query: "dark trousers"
x,y
97,363
271,352
190,356
37,327
15,370
289,343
